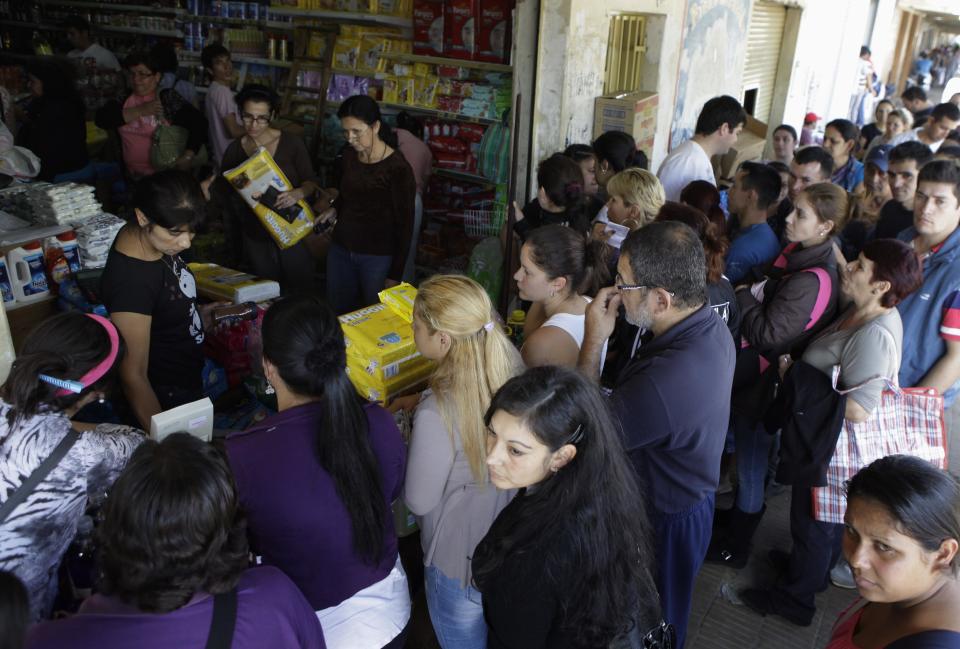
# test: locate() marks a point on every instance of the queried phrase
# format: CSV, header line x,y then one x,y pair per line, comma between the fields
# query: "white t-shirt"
x,y
218,104
686,163
574,326
914,136
96,51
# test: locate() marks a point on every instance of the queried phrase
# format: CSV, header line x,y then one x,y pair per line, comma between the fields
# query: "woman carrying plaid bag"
x,y
865,342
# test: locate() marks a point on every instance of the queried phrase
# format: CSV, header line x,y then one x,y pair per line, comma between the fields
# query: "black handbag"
x,y
662,636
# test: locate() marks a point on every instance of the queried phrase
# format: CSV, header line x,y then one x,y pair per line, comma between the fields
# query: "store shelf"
x,y
223,20
252,60
458,63
460,175
342,16
19,23
137,30
441,114
170,11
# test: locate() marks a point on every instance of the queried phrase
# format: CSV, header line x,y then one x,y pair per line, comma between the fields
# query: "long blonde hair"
x,y
480,360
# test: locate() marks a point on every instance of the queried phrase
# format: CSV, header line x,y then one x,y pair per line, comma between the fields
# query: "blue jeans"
x,y
456,613
753,450
354,279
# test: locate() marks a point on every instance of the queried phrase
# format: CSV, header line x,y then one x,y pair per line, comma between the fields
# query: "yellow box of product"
x,y
423,69
218,283
389,371
375,390
346,53
372,46
390,95
259,181
376,333
425,92
406,90
400,299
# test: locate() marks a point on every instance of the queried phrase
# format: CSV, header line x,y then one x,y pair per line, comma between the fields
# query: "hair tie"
x,y
68,386
488,327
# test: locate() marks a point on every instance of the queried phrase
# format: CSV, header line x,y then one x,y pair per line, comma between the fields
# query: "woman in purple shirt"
x,y
317,480
173,565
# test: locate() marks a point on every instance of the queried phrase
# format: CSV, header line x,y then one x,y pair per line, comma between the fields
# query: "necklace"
x,y
383,154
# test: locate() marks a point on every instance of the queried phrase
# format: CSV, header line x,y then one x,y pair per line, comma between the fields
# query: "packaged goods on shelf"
x,y
95,237
374,390
493,31
343,86
428,27
54,204
459,32
219,283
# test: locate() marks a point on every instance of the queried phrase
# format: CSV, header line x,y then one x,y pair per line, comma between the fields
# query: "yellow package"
x,y
218,283
378,334
258,180
400,299
346,52
372,46
391,371
373,390
406,90
316,45
390,95
425,92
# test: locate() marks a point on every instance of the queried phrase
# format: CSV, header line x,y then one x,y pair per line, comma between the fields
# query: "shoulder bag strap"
x,y
824,291
41,472
224,620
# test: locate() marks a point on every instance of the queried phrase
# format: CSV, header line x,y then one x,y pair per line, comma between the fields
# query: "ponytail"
x,y
714,243
562,252
303,339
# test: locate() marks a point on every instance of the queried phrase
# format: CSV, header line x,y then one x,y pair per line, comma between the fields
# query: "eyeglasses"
x,y
355,133
255,119
636,287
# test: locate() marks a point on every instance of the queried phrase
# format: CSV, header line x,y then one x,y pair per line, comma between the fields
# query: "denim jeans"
x,y
409,270
753,450
456,613
354,279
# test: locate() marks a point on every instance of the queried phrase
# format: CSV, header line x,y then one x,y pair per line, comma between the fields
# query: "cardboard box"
x,y
493,23
749,146
634,113
428,27
459,30
218,283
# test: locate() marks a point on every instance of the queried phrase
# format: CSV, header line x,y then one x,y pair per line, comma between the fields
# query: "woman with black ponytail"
x,y
317,480
560,270
67,362
561,198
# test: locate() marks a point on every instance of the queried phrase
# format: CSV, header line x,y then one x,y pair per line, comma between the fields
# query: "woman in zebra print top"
x,y
65,363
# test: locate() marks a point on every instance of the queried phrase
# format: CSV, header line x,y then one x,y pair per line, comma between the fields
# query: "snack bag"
x,y
400,299
259,180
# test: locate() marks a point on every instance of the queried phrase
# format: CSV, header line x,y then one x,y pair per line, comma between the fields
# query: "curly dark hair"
x,y
172,526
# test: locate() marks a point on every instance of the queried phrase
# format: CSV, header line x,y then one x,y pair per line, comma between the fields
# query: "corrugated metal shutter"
x,y
763,53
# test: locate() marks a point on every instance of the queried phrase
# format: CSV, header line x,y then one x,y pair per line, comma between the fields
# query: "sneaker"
x,y
841,576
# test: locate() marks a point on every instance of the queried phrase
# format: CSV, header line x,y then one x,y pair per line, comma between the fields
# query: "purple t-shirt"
x,y
295,519
271,612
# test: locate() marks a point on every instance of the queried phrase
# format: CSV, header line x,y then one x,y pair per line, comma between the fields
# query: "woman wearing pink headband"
x,y
67,362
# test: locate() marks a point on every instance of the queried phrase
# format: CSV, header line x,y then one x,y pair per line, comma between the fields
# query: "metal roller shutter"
x,y
763,53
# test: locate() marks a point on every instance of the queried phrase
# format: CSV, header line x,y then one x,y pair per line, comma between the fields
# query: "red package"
x,y
457,161
428,26
458,30
493,30
471,132
444,144
449,104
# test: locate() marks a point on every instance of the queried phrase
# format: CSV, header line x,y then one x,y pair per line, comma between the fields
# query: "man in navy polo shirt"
x,y
672,398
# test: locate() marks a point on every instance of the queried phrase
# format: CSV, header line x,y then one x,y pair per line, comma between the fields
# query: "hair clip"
x,y
577,435
64,384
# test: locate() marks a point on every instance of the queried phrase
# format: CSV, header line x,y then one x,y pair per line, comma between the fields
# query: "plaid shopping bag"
x,y
908,421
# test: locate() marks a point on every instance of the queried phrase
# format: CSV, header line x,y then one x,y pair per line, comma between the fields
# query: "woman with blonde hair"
x,y
635,196
447,486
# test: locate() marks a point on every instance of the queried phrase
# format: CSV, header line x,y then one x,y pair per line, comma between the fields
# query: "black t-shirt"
x,y
723,300
870,131
894,218
166,291
535,216
921,116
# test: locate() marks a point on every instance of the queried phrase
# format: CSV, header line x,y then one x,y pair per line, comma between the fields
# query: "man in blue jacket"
x,y
931,315
672,398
